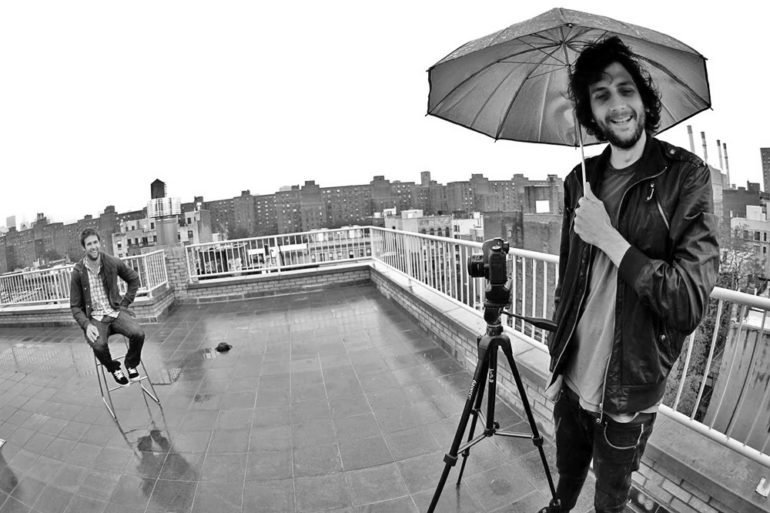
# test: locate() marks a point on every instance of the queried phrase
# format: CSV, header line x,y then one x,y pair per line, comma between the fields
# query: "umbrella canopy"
x,y
513,84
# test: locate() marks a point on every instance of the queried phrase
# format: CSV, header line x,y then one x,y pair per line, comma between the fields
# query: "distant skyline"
x,y
99,98
143,203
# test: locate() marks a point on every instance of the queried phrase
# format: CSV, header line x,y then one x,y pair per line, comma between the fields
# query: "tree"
x,y
741,269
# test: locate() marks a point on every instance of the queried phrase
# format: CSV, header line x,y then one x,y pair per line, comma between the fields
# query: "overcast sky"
x,y
99,98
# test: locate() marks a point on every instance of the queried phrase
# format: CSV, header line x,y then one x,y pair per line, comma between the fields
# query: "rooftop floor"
x,y
331,401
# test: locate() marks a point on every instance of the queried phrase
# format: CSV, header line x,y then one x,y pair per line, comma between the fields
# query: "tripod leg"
x,y
450,459
475,411
536,438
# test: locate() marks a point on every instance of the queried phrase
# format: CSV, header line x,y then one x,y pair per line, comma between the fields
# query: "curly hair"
x,y
87,233
588,69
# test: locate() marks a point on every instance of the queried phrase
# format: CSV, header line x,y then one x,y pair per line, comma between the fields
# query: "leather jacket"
x,y
80,291
664,280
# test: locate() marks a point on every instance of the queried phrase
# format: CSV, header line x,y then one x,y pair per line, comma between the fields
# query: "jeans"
x,y
123,324
615,447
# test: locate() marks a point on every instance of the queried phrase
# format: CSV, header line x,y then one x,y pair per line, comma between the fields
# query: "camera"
x,y
492,265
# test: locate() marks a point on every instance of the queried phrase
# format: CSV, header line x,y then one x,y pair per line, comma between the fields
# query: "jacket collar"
x,y
106,263
653,157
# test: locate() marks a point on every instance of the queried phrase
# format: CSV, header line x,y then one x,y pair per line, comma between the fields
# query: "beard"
x,y
620,142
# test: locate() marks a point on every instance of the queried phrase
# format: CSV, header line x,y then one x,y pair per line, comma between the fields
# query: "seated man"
x,y
98,308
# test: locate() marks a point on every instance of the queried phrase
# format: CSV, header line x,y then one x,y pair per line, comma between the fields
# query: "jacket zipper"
x,y
617,224
662,214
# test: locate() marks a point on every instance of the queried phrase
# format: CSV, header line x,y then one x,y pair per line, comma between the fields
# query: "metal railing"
x,y
441,264
278,253
36,287
151,268
718,386
52,286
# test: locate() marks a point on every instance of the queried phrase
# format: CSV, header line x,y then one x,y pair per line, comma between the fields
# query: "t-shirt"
x,y
100,303
586,369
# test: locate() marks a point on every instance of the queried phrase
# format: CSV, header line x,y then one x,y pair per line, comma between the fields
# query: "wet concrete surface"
x,y
330,401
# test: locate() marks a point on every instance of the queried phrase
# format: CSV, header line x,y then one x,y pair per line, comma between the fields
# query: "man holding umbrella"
x,y
638,260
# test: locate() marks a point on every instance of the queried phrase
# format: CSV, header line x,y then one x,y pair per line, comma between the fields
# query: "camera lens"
x,y
476,266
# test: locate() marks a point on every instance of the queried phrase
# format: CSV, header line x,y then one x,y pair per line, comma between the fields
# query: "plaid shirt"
x,y
99,301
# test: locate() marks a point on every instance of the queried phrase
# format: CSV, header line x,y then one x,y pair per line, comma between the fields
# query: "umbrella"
x,y
513,84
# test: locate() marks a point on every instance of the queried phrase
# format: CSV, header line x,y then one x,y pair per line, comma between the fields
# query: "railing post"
x,y
277,255
163,270
407,242
187,255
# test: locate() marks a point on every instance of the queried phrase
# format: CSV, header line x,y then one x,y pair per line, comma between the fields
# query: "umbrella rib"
x,y
510,104
578,46
672,76
489,98
542,107
475,74
499,85
536,35
555,45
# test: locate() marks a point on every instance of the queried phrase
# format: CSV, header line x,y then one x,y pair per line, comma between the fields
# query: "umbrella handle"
x,y
582,161
579,134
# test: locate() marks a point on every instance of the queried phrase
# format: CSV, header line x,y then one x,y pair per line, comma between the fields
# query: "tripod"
x,y
488,346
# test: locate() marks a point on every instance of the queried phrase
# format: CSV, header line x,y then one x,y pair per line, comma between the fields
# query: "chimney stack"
x,y
727,164
719,149
692,144
705,148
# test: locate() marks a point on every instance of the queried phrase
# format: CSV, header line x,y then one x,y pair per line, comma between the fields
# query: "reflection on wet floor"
x,y
330,401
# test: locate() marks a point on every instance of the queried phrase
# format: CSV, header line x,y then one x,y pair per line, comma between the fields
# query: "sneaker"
x,y
120,378
133,374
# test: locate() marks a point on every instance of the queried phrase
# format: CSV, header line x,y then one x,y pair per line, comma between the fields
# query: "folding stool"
x,y
106,389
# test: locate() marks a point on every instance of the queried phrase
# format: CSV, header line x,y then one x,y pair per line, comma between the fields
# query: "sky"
x,y
100,98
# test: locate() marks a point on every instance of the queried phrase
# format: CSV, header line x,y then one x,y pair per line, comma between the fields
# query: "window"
x,y
756,235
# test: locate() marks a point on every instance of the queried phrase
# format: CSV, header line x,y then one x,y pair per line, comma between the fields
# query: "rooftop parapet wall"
x,y
682,471
147,310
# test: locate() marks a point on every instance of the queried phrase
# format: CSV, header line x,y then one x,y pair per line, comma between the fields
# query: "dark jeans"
x,y
123,324
615,447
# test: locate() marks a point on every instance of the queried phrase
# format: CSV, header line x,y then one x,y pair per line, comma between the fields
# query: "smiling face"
x,y
92,246
617,107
